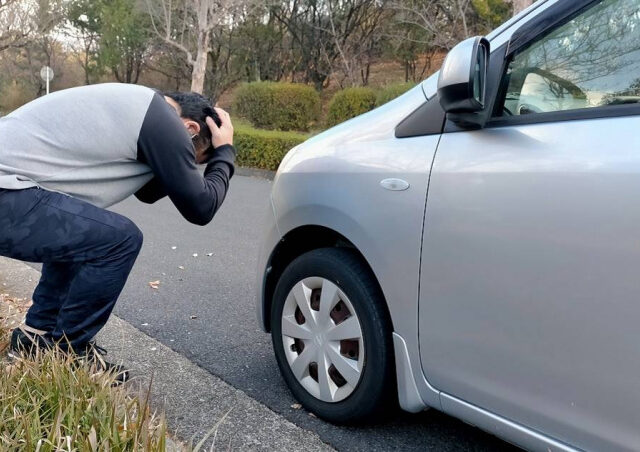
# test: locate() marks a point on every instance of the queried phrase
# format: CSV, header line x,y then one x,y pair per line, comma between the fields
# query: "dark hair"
x,y
196,107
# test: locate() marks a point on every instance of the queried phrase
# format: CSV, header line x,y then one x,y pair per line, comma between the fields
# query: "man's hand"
x,y
221,135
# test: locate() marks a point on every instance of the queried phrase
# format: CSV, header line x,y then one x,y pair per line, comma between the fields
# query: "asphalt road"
x,y
204,310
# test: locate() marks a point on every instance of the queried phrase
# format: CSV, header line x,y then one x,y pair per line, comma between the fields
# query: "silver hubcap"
x,y
322,339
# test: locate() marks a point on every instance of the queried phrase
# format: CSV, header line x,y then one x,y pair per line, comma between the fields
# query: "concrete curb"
x,y
255,172
193,399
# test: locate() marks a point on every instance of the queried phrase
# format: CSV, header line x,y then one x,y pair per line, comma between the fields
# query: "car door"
x,y
530,277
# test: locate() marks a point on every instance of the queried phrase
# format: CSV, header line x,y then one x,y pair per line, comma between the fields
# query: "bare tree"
x,y
188,26
354,27
221,72
165,60
39,47
20,20
444,22
410,46
306,24
263,46
39,52
331,36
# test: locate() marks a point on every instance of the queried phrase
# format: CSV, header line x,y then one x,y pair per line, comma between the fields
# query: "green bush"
x,y
283,106
390,92
263,149
349,103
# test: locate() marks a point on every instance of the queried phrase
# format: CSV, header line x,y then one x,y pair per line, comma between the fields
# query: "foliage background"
x,y
235,51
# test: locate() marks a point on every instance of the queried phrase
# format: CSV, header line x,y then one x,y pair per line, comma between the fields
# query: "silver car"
x,y
474,245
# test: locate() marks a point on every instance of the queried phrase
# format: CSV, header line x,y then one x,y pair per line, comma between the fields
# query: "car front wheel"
x,y
332,336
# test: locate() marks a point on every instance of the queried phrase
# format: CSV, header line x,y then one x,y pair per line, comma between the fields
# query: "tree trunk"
x,y
199,70
202,52
364,74
86,69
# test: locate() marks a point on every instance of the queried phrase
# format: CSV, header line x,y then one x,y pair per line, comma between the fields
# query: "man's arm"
x,y
166,147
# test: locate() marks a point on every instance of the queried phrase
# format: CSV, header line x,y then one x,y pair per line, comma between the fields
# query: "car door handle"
x,y
394,184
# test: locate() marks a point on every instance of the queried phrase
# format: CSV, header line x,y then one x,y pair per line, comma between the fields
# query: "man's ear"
x,y
192,126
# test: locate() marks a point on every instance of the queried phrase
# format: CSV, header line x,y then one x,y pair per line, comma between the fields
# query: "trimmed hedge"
x,y
263,149
390,92
275,105
349,103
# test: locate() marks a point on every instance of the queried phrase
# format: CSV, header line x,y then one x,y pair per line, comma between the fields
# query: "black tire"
x,y
376,390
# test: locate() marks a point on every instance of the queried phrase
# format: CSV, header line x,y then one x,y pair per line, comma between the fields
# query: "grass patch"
x,y
52,403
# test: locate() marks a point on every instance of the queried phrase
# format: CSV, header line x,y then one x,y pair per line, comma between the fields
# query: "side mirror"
x,y
462,81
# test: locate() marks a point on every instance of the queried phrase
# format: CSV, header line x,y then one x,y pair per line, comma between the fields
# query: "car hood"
x,y
376,125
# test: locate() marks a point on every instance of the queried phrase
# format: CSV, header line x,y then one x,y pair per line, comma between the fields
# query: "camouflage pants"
x,y
87,254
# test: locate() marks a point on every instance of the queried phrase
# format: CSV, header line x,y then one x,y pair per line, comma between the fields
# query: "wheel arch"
x,y
295,243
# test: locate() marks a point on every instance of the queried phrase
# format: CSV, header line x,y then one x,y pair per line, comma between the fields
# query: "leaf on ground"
x,y
154,284
296,406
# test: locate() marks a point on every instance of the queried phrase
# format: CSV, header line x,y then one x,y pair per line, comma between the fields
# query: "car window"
x,y
591,61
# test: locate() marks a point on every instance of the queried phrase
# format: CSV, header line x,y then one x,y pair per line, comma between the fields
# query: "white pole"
x,y
46,73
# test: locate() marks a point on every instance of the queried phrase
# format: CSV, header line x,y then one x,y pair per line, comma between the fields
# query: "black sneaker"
x,y
94,354
28,343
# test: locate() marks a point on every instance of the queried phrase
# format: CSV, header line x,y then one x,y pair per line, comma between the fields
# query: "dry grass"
x,y
53,402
